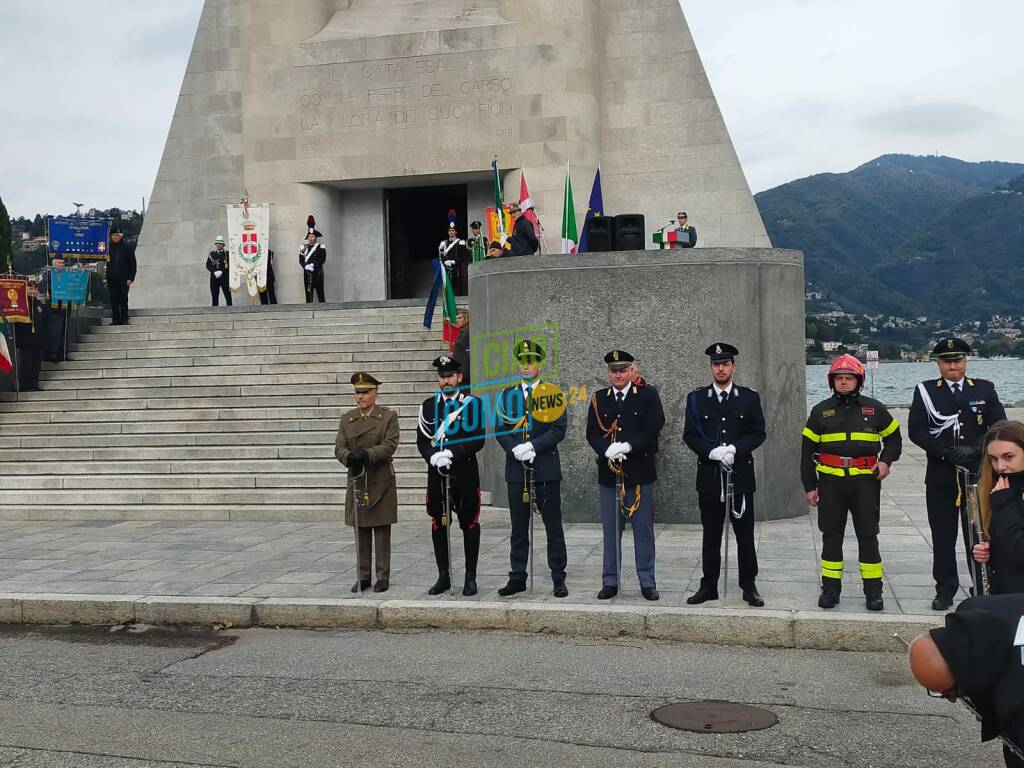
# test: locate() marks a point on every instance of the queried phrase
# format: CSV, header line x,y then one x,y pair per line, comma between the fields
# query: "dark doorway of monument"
x,y
417,222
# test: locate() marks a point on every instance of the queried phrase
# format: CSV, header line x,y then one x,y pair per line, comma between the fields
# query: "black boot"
x,y
443,584
702,595
829,597
514,587
469,587
439,538
873,594
471,546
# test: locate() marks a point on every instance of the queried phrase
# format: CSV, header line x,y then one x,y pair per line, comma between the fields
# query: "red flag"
x,y
526,204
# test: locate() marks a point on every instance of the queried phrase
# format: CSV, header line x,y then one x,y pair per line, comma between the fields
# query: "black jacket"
x,y
545,437
848,425
33,335
978,407
1006,533
461,354
638,422
524,238
978,645
122,264
317,255
464,436
739,422
687,237
218,260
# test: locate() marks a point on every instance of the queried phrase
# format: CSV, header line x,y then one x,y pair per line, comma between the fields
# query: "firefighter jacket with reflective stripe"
x,y
850,426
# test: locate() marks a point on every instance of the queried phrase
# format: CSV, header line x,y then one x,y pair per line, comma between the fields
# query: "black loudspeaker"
x,y
629,232
600,233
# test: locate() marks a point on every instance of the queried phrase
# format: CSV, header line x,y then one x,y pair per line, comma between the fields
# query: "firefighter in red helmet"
x,y
849,443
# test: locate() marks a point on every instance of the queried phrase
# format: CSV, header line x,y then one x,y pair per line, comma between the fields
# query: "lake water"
x,y
894,382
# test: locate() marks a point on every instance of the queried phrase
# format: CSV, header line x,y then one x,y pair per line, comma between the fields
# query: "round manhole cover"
x,y
714,717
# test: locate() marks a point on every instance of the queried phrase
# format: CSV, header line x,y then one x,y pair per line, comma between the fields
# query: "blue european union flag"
x,y
594,208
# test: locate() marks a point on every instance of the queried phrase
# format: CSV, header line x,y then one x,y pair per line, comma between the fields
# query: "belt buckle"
x,y
847,462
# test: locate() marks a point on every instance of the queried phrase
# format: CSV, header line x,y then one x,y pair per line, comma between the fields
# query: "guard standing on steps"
x,y
623,423
948,419
366,443
217,266
724,425
533,470
451,431
849,443
312,257
30,339
121,271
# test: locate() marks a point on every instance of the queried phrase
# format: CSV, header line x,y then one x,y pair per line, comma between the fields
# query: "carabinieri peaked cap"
x,y
618,360
951,348
720,352
363,381
446,365
529,352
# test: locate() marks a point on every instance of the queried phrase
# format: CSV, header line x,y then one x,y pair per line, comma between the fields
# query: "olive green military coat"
x,y
377,434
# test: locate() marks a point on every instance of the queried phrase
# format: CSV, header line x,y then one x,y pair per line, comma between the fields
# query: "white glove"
x,y
729,457
218,273
439,456
449,263
625,448
614,451
443,462
310,267
716,454
519,450
529,455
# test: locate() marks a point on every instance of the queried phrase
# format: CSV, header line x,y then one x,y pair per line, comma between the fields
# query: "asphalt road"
x,y
88,697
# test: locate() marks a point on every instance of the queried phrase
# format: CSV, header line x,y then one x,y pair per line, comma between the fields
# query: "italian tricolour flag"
x,y
569,235
6,361
442,287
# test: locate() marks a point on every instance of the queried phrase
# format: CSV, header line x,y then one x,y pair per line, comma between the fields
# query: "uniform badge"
x,y
615,356
445,359
981,418
867,411
949,343
718,349
829,412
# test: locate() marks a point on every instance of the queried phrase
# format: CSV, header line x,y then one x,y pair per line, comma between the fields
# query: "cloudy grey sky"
x,y
805,85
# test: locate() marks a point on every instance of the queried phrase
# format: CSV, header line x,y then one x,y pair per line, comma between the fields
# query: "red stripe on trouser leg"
x,y
476,518
433,520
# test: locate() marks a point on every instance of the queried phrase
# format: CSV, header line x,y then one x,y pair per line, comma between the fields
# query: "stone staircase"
x,y
212,414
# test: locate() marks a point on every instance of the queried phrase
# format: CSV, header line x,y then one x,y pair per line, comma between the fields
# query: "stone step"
x,y
415,370
108,342
396,392
256,314
229,328
335,478
233,431
360,349
78,380
312,414
255,497
418,358
177,439
405,406
216,512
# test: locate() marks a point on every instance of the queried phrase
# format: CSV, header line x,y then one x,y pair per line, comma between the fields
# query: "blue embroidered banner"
x,y
78,236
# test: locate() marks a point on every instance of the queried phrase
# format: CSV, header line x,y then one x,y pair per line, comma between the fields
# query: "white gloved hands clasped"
x,y
310,267
521,450
716,454
723,453
441,459
218,273
449,263
618,451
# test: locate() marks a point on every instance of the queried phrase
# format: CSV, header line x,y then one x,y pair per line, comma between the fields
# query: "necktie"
x,y
620,396
956,389
722,396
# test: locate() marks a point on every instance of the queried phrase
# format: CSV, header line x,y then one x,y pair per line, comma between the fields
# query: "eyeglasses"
x,y
951,691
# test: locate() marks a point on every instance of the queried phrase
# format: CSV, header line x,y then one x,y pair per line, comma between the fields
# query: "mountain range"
x,y
908,236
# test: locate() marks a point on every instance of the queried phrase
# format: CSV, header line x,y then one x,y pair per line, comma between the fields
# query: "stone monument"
x,y
378,116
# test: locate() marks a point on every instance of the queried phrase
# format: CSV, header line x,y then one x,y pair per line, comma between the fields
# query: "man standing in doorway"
x,y
312,257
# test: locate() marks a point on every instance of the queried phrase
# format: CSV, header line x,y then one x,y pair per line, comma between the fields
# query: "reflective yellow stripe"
x,y
871,570
859,471
890,429
830,470
867,437
833,437
832,569
837,437
812,436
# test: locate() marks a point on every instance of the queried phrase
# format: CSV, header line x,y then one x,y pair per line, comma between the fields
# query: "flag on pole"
x,y
498,204
569,236
6,361
594,208
442,285
526,205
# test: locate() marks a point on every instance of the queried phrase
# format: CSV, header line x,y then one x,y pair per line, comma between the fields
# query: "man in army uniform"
x,y
450,433
724,425
312,257
366,444
623,423
948,419
532,465
217,266
849,443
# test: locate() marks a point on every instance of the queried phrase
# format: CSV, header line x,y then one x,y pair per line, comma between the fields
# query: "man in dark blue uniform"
x,y
451,432
121,271
623,423
532,465
724,426
948,419
220,279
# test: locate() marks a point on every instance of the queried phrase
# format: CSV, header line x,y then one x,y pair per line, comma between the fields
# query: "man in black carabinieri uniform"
x,y
121,271
532,461
948,419
217,266
312,257
623,423
451,431
724,426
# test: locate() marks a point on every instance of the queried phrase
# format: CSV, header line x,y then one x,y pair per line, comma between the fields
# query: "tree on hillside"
x,y
6,253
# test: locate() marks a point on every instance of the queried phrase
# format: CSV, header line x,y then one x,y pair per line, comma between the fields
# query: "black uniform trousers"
x,y
30,361
466,504
218,284
712,518
859,497
118,300
943,516
268,296
314,281
56,333
549,504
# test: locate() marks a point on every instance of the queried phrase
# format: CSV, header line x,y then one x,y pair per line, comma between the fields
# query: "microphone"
x,y
670,223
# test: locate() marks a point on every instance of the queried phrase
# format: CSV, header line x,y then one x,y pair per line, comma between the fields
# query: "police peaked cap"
x,y
363,381
720,352
951,348
116,230
617,359
446,365
529,352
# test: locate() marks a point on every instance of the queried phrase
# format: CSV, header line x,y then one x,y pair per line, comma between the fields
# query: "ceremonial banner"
x,y
14,300
248,244
498,226
80,236
69,286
